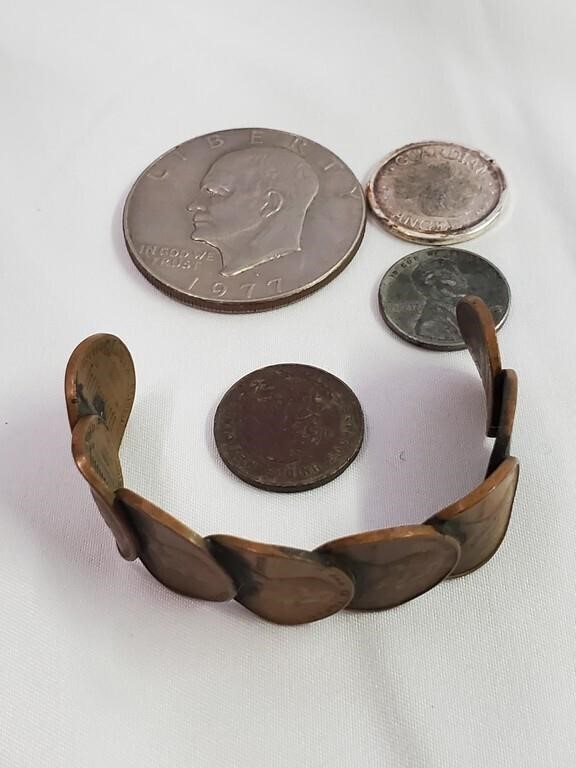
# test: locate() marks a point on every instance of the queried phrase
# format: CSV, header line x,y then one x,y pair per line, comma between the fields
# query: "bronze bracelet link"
x,y
374,570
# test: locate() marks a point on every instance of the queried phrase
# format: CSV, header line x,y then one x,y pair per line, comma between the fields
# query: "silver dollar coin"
x,y
244,220
418,295
437,192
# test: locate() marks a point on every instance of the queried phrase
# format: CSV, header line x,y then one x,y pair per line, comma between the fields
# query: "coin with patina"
x,y
437,192
288,427
419,294
393,565
479,521
173,553
100,380
281,584
96,455
244,220
477,328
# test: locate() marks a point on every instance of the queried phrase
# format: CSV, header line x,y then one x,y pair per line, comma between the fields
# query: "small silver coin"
x,y
244,220
419,293
437,192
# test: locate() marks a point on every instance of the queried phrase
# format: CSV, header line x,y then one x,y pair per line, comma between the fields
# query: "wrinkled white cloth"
x,y
100,666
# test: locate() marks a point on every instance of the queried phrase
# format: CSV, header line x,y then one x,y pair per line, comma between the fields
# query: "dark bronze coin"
x,y
288,427
173,553
283,585
393,565
96,456
100,380
479,521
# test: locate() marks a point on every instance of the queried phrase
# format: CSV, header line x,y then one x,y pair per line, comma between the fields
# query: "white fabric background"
x,y
99,664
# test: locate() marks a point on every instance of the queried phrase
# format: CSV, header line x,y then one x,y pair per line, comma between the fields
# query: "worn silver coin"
x,y
437,192
244,220
419,293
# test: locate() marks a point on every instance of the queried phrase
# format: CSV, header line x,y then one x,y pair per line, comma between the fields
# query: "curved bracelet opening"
x,y
374,570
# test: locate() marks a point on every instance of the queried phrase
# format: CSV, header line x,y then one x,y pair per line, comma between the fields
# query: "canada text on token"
x,y
437,192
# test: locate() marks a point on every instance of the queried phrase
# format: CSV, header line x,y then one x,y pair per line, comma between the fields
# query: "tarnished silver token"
x,y
437,192
244,220
419,293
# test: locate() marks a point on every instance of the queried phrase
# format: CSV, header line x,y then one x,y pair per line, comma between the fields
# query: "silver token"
x,y
437,192
244,220
418,295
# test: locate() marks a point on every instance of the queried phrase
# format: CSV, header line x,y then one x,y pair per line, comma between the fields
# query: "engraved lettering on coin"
x,y
437,192
253,207
418,295
288,427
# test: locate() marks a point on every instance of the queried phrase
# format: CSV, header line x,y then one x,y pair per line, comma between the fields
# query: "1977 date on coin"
x,y
193,260
244,220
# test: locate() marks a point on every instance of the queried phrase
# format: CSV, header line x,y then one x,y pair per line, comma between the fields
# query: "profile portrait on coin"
x,y
442,284
252,205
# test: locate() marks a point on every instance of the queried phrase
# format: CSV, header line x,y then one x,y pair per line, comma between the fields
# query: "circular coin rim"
x,y
301,486
466,233
246,306
439,347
